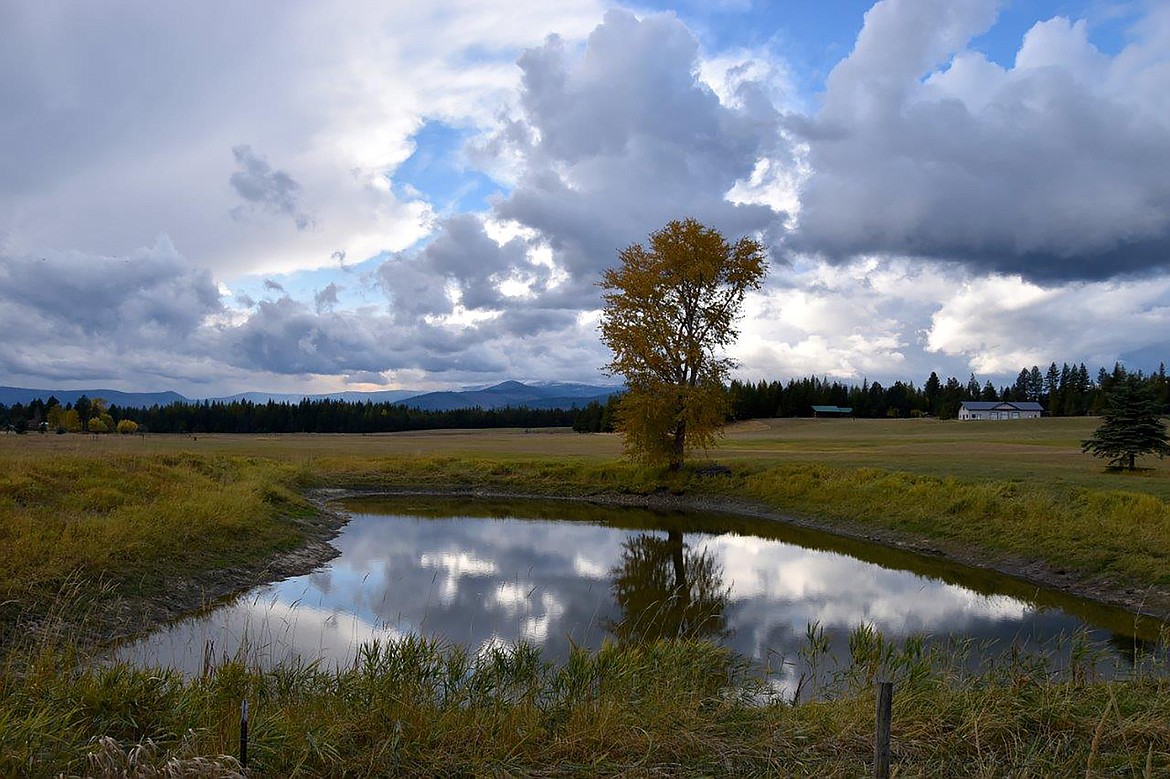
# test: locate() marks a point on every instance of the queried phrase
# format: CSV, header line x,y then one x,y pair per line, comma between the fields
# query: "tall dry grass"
x,y
419,707
132,526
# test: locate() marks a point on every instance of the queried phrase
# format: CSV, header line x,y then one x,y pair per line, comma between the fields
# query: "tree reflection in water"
x,y
665,589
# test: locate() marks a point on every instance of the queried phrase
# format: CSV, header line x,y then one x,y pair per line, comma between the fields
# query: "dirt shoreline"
x,y
128,618
1149,602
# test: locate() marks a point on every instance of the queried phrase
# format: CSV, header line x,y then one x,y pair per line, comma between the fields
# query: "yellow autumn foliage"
x,y
670,310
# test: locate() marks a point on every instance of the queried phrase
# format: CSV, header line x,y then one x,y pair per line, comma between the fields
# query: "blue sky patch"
x,y
813,37
439,173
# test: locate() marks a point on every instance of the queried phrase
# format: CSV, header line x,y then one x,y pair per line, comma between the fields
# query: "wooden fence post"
x,y
881,738
244,733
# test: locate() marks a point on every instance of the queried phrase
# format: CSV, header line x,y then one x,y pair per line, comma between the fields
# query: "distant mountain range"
x,y
508,393
382,396
513,393
12,395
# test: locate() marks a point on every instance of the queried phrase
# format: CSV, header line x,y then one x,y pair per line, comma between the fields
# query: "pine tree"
x,y
1131,426
933,391
1035,384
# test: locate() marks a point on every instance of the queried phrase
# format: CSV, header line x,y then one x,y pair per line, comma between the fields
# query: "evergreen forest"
x,y
1066,390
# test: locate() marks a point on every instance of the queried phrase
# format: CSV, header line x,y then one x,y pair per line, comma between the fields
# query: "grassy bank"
x,y
95,532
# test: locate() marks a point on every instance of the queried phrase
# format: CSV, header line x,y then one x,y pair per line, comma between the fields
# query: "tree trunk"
x,y
1131,465
678,447
682,590
674,539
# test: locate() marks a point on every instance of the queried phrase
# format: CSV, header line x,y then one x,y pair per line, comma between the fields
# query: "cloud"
x,y
413,292
850,321
72,316
330,96
366,377
1057,167
623,138
288,337
607,144
1003,323
928,192
152,293
264,188
464,266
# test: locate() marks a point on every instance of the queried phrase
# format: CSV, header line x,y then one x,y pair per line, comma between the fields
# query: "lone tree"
x,y
1132,426
669,310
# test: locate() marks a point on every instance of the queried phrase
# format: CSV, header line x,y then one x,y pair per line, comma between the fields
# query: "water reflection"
x,y
665,589
494,573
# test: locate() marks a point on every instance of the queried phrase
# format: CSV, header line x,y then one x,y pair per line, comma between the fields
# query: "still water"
x,y
482,573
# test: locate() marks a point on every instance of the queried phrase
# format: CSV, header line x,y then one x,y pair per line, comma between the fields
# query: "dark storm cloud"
x,y
628,140
271,190
69,316
1057,168
150,294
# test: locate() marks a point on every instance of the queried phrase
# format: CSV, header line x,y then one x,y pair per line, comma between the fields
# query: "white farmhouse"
x,y
1000,409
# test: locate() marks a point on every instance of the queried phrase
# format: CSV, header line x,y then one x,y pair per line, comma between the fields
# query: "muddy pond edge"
x,y
1148,602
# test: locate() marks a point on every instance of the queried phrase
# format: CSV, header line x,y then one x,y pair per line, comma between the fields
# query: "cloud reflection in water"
x,y
493,580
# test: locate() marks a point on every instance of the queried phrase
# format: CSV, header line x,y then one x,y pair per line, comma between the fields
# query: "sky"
x,y
313,197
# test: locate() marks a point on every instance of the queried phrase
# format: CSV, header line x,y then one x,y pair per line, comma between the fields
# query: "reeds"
x,y
418,706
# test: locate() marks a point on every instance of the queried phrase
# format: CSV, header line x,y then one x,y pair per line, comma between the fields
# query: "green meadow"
x,y
97,531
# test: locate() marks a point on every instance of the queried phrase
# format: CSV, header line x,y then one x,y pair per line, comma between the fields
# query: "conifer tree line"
x,y
1067,390
243,416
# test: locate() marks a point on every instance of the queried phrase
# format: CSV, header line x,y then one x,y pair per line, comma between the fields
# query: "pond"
x,y
483,573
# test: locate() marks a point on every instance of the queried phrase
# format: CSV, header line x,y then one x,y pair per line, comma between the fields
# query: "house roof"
x,y
832,409
1002,405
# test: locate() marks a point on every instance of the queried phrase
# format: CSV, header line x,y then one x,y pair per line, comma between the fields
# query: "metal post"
x,y
881,739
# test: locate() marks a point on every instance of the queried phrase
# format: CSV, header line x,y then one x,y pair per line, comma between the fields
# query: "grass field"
x,y
138,514
1047,449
